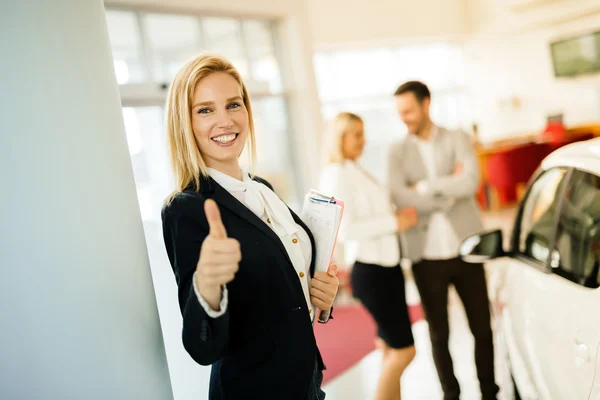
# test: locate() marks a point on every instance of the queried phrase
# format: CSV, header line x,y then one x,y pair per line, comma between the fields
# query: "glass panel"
x,y
384,68
132,130
577,251
224,36
363,82
173,39
538,216
260,46
144,127
451,107
266,69
259,38
382,128
125,41
275,160
326,77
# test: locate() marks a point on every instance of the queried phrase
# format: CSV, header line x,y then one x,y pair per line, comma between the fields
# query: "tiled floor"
x,y
420,381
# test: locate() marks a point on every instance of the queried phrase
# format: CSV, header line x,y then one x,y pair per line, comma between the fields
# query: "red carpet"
x,y
349,337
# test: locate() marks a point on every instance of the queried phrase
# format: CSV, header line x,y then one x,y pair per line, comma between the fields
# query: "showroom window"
x,y
538,215
364,81
576,255
148,50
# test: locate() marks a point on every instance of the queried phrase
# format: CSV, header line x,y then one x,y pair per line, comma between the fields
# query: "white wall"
x,y
508,56
506,51
78,311
499,17
344,23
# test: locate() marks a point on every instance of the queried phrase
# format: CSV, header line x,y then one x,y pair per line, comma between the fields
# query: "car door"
x,y
570,296
595,393
523,276
550,287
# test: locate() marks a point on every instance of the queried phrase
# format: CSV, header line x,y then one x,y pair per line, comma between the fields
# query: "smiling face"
x,y
219,120
414,113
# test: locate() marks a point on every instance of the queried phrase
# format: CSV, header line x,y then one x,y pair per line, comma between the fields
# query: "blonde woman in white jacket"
x,y
369,237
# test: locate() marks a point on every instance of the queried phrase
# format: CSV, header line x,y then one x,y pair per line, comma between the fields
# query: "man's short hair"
x,y
419,89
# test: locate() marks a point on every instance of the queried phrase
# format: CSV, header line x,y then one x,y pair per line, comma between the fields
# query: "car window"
x,y
576,254
536,226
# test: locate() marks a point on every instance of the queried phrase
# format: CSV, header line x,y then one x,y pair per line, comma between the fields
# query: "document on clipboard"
x,y
323,215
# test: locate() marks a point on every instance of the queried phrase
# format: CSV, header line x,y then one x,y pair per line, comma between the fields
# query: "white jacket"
x,y
368,229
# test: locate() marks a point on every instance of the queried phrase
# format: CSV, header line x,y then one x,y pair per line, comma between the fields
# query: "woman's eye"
x,y
204,111
234,105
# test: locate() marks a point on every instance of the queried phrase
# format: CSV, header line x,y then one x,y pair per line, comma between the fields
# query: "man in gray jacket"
x,y
436,171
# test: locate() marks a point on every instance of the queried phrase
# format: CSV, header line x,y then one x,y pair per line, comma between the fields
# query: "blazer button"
x,y
294,240
301,274
203,331
203,335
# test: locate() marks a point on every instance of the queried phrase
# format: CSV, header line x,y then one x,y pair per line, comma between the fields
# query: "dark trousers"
x,y
314,390
433,277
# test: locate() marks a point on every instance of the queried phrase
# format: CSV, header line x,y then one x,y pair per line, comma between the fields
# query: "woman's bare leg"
x,y
394,364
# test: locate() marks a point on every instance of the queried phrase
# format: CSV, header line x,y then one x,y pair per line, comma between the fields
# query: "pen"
x,y
331,200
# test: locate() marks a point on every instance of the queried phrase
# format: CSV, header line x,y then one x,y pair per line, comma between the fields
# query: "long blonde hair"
x,y
337,130
186,159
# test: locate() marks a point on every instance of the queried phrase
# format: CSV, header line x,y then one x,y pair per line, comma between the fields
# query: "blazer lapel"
x,y
211,189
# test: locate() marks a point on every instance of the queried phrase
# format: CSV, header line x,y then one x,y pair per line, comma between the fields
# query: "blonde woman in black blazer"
x,y
244,262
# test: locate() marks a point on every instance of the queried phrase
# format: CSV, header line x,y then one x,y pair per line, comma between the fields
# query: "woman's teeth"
x,y
224,138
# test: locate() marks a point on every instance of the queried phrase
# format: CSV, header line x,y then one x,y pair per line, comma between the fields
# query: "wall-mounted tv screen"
x,y
576,56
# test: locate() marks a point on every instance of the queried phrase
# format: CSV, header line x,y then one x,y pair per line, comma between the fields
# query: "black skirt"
x,y
382,291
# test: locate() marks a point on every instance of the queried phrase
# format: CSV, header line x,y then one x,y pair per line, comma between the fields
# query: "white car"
x,y
545,280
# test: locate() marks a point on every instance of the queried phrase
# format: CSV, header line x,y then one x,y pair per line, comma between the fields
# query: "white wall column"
x,y
305,108
78,316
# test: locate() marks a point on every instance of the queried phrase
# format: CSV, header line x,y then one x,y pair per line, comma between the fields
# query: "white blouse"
x,y
266,205
368,229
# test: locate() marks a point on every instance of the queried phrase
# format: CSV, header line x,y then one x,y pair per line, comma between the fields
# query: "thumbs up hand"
x,y
219,258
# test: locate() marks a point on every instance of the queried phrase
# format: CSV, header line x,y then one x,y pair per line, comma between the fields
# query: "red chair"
x,y
506,170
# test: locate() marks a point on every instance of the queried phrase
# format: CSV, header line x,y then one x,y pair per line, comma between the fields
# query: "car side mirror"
x,y
482,247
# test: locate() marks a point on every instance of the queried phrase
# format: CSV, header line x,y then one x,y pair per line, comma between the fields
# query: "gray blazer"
x,y
453,195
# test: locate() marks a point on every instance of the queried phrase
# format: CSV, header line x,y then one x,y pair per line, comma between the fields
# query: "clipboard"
x,y
323,215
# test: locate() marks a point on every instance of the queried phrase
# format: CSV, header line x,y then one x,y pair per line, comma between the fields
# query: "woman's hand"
x,y
324,287
406,218
219,258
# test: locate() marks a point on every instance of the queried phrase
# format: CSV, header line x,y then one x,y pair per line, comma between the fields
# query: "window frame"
x,y
152,92
388,128
543,266
568,183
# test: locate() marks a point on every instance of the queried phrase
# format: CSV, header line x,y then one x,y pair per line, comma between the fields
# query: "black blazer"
x,y
264,345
